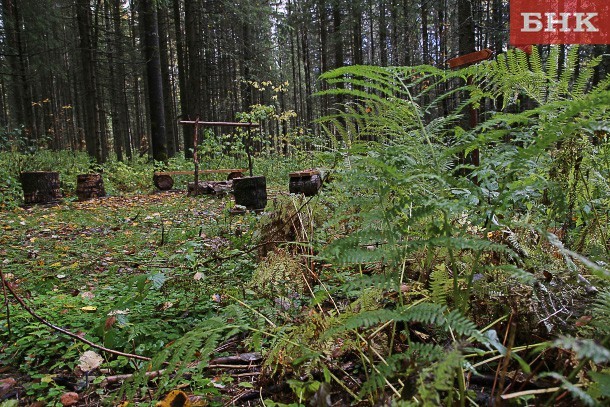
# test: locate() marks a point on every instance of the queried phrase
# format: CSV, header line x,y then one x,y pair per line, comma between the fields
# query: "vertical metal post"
x,y
196,157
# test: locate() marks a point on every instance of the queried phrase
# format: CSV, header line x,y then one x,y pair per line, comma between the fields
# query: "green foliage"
x,y
175,361
514,74
418,212
383,283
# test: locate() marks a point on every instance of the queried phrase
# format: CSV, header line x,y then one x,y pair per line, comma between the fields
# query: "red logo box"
x,y
559,22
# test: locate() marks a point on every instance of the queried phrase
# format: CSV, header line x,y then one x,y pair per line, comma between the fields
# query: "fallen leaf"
x,y
69,399
175,398
584,320
89,361
89,308
109,322
88,295
6,385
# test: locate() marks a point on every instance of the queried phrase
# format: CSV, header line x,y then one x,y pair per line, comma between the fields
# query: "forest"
x,y
300,203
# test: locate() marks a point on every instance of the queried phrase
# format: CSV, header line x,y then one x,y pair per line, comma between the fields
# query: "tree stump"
x,y
89,186
40,187
305,182
163,182
250,192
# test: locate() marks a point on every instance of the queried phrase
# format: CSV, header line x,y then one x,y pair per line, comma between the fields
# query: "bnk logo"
x,y
559,22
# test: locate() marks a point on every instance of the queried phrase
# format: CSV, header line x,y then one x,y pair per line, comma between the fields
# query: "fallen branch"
x,y
533,392
6,304
65,331
244,357
122,377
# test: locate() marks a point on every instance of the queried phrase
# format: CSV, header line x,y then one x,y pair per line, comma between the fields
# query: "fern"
x,y
584,349
576,392
440,284
411,213
601,310
516,73
402,365
427,313
175,360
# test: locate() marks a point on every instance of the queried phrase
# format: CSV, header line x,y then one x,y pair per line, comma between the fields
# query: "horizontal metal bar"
x,y
220,124
219,171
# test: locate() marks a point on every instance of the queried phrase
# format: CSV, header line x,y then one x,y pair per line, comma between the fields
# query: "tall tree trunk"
x,y
383,35
113,11
168,102
424,33
498,26
357,54
322,26
337,34
307,73
466,35
154,81
102,134
18,100
182,72
246,67
193,88
88,80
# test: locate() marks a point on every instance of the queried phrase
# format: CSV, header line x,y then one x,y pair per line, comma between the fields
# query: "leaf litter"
x,y
82,255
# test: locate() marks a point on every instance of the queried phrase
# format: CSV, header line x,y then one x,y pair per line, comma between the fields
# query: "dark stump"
x,y
89,186
250,192
163,182
40,187
305,182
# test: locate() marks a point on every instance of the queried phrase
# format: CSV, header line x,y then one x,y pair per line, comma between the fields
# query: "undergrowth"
x,y
414,277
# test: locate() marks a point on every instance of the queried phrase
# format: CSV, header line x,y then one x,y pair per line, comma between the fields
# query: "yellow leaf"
x,y
175,398
46,378
89,308
56,264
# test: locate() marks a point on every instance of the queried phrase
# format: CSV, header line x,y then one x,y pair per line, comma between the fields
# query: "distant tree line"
x,y
116,76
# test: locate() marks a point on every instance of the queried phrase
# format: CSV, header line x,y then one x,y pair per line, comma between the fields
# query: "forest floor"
x,y
97,289
116,271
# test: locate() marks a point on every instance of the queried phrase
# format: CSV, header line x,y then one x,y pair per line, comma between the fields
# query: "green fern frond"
x,y
584,348
426,313
441,284
416,356
574,390
601,310
173,361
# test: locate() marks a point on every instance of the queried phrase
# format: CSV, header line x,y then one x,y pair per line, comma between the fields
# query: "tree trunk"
x,y
182,72
193,79
120,106
154,81
15,58
167,89
424,33
357,54
383,35
88,80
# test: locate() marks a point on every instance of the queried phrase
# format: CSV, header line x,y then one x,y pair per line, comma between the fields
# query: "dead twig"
x,y
65,331
6,303
122,377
